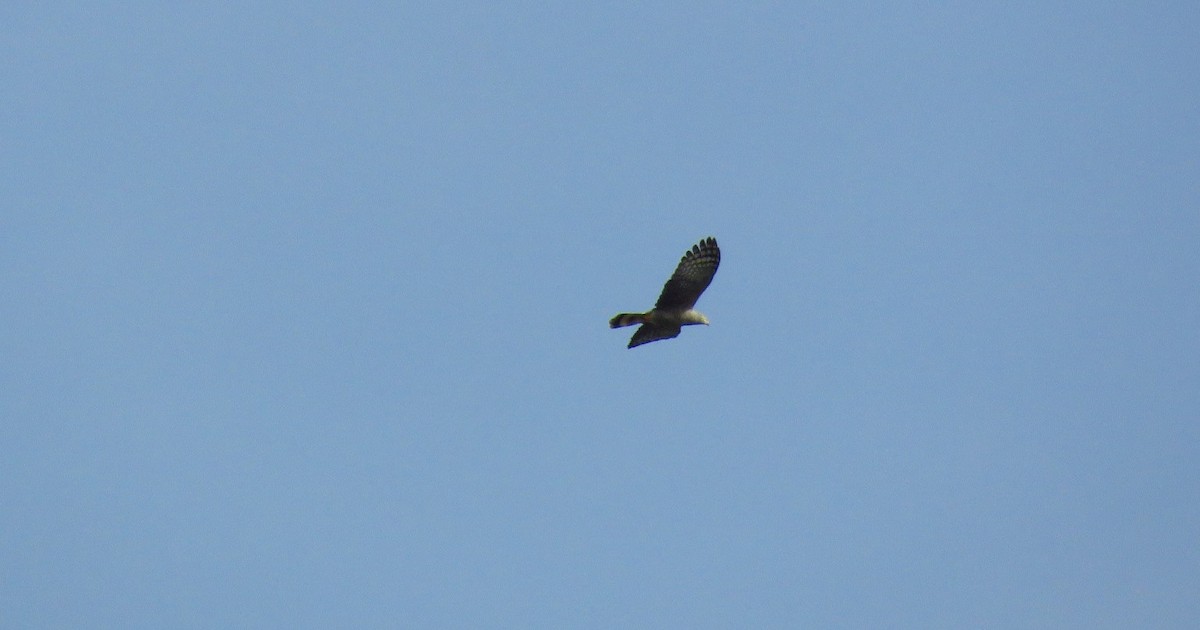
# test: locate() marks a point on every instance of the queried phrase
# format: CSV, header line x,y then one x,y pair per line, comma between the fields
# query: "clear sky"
x,y
304,316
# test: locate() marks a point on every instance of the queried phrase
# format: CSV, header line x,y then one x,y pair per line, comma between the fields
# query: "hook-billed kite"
x,y
674,308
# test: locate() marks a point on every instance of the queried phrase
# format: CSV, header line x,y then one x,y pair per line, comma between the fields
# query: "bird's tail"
x,y
627,319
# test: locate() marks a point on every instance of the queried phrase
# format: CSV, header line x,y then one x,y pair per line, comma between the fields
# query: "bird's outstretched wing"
x,y
693,275
651,332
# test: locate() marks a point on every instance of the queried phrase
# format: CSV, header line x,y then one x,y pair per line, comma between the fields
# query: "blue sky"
x,y
306,305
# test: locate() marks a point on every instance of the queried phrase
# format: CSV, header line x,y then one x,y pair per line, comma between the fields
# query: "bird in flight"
x,y
674,308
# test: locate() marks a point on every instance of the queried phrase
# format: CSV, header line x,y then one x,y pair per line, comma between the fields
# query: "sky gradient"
x,y
305,315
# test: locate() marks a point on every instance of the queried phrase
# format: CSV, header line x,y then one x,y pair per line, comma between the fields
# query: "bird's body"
x,y
674,308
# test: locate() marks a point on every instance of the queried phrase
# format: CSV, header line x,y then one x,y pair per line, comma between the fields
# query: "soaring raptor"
x,y
674,308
